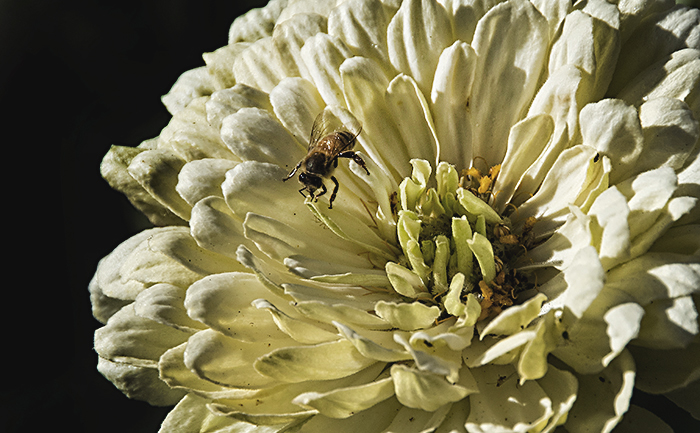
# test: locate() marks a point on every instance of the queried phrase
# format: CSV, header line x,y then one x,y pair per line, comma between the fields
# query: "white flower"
x,y
523,252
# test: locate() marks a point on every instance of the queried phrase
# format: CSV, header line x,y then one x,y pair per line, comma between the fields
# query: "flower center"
x,y
454,243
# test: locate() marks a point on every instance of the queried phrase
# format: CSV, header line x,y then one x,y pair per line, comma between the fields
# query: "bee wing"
x,y
327,123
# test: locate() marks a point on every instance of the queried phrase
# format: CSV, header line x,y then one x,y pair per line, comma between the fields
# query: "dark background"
x,y
76,77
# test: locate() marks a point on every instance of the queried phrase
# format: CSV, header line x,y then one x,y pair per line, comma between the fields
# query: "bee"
x,y
329,141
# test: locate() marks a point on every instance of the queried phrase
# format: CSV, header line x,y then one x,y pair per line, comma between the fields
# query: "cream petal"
x,y
163,303
591,45
685,398
612,127
683,239
139,383
623,325
561,387
465,14
178,245
407,316
603,398
561,97
655,276
611,214
504,85
423,390
190,135
190,85
585,278
555,12
452,86
173,371
412,117
254,134
362,25
220,64
354,230
192,414
515,318
296,103
371,349
639,419
416,36
225,102
143,261
323,54
300,330
533,362
289,36
325,361
372,420
202,178
662,371
114,169
279,240
257,23
215,228
224,303
527,140
655,38
675,76
561,247
122,339
325,312
226,361
670,133
364,88
503,351
103,307
345,402
259,65
502,405
109,280
577,173
669,324
157,172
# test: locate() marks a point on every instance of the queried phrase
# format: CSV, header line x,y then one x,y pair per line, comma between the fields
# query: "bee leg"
x,y
335,192
355,157
301,191
323,191
289,176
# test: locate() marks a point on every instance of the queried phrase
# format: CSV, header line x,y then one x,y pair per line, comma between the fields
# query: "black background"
x,y
75,78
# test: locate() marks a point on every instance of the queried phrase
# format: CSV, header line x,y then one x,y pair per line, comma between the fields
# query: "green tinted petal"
x,y
422,390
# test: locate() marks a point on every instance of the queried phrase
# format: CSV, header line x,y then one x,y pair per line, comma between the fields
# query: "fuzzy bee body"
x,y
327,143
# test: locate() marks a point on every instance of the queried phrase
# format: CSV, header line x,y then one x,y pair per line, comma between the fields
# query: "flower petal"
x,y
296,103
223,302
452,86
163,303
502,405
515,318
254,134
511,41
323,54
603,398
423,390
323,361
655,38
345,402
416,36
139,383
407,316
122,339
202,178
362,25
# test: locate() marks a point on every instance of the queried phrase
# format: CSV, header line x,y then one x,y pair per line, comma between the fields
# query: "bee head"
x,y
311,181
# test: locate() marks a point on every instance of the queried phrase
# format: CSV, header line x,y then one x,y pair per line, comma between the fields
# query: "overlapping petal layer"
x,y
523,252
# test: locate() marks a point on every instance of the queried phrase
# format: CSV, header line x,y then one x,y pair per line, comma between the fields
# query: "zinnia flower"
x,y
520,253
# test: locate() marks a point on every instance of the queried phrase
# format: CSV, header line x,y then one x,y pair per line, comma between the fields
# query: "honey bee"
x,y
329,141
